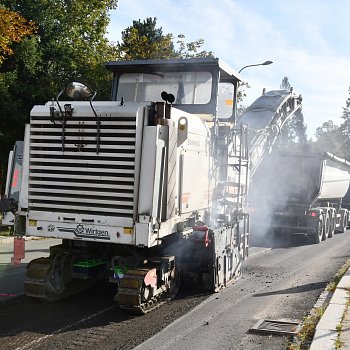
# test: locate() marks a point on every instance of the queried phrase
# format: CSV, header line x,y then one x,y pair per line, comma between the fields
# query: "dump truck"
x,y
299,192
146,190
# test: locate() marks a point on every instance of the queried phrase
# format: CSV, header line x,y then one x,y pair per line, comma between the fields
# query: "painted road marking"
x,y
260,252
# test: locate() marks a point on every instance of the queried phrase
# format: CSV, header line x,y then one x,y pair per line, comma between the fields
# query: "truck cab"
x,y
204,86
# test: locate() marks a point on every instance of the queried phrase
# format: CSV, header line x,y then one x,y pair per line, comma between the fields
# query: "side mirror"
x,y
79,91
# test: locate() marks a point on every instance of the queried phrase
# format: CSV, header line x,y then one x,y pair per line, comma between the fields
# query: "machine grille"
x,y
71,177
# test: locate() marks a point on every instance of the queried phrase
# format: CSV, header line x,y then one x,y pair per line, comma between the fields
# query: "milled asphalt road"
x,y
283,282
278,284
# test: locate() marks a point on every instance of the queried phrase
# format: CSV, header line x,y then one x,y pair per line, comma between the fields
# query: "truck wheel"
x,y
343,224
347,221
332,226
326,228
317,236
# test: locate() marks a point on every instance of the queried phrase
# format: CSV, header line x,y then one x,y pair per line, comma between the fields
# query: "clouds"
x,y
306,41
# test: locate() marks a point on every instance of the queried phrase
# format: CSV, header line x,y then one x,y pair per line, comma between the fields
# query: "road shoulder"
x,y
331,322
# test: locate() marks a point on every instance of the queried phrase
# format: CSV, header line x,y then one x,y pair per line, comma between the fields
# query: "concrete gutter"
x,y
7,239
326,330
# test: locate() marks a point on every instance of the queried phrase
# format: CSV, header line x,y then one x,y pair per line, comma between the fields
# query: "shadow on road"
x,y
298,289
279,241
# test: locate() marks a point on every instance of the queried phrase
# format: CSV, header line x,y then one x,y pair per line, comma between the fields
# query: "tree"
x,y
285,84
344,128
13,28
71,39
294,131
329,138
143,41
335,138
69,43
241,94
346,110
326,129
191,49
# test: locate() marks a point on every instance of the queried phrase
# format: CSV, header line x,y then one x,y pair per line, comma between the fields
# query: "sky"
x,y
308,41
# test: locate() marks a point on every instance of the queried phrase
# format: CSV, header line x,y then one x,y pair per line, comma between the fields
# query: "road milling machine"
x,y
146,190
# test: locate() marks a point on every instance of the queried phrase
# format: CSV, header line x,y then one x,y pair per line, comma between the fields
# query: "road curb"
x,y
11,297
326,330
5,239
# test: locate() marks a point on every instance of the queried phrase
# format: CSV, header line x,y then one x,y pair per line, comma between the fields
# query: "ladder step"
x,y
230,195
237,164
227,202
229,183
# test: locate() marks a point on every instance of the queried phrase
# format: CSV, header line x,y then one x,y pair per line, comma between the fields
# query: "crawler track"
x,y
40,281
136,299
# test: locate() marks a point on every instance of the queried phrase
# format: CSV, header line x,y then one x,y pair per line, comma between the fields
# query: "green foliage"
x,y
294,131
330,139
332,285
304,337
335,138
344,128
191,49
13,28
241,94
285,84
69,43
143,41
70,37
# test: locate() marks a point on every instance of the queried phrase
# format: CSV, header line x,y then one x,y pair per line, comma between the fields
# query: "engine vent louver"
x,y
71,177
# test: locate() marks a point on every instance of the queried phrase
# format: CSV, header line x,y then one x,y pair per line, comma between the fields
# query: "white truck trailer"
x,y
299,193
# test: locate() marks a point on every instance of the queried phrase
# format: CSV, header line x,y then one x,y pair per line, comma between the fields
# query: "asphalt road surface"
x,y
278,283
12,277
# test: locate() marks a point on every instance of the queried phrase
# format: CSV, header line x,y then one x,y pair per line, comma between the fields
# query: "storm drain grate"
x,y
282,327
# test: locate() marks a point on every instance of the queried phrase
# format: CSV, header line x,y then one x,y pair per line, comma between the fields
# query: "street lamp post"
x,y
253,65
236,92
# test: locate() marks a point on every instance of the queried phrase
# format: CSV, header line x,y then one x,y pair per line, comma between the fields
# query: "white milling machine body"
x,y
140,191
